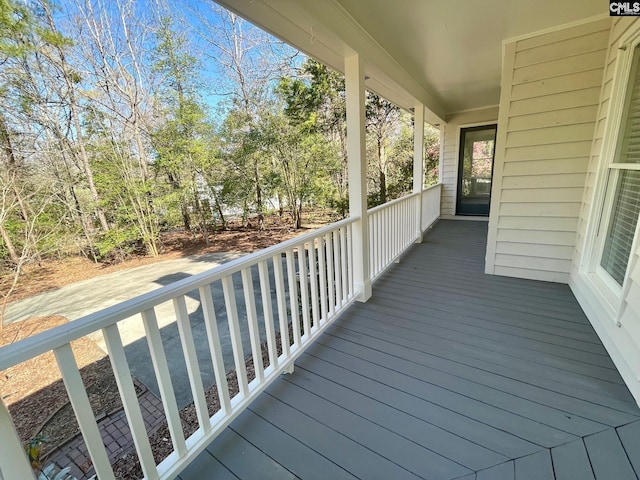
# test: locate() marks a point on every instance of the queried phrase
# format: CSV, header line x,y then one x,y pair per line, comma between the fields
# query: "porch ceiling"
x,y
444,54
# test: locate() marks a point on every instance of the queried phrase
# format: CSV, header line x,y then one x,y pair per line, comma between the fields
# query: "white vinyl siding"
x,y
617,325
551,86
450,152
619,27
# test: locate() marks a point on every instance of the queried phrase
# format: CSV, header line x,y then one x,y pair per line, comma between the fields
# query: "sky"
x,y
205,26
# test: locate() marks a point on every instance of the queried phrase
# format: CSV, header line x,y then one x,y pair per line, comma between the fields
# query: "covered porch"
x,y
445,373
439,370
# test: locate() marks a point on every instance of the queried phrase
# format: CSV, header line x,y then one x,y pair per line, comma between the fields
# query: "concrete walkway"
x,y
82,298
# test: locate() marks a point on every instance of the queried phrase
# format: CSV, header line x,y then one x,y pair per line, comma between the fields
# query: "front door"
x,y
475,167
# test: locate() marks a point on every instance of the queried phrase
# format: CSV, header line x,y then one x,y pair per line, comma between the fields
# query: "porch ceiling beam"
x,y
327,32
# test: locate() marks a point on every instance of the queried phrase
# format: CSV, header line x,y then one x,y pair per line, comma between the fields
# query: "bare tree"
x,y
247,62
117,36
40,195
58,58
382,122
116,54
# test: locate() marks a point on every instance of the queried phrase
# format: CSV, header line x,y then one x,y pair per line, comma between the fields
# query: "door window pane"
x,y
477,146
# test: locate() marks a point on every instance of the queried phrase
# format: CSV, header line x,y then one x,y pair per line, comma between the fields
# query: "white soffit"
x,y
446,54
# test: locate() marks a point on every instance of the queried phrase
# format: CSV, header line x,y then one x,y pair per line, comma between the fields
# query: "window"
x,y
622,200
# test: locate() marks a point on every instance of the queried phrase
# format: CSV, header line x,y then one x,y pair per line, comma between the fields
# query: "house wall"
x,y
622,339
548,111
451,142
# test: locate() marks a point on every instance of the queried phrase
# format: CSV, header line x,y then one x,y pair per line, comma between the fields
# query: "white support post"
x,y
443,129
357,160
418,163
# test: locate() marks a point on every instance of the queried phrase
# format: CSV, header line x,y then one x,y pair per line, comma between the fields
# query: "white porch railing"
x,y
322,257
392,229
393,226
431,197
312,277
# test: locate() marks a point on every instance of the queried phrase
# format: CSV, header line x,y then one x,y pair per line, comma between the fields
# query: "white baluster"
x,y
322,269
130,400
267,312
336,266
282,304
82,409
313,280
165,385
252,320
234,333
304,289
343,263
13,461
293,297
213,336
330,276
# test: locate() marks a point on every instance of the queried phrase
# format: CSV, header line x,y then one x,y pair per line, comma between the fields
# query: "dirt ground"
x,y
34,391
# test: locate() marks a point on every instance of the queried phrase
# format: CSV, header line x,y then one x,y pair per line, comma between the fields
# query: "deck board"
x,y
534,467
453,392
416,398
504,471
433,438
607,456
299,458
630,437
446,373
585,418
571,462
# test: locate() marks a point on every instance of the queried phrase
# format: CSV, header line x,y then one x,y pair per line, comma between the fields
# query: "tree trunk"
x,y
203,217
13,166
77,125
223,220
186,218
258,195
382,178
298,216
13,254
280,207
84,222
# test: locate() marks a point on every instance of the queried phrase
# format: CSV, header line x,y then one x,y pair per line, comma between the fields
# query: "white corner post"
x,y
443,130
357,162
418,164
13,459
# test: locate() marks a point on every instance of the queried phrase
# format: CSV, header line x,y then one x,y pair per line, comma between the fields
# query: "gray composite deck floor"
x,y
446,373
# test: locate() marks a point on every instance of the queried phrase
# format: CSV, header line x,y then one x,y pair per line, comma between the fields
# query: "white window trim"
x,y
601,209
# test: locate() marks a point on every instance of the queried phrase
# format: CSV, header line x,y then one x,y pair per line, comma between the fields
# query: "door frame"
x,y
459,129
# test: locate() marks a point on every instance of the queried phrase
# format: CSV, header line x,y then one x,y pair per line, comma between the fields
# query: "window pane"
x,y
622,225
630,140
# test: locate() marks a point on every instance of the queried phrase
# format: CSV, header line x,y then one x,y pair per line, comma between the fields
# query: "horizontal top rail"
x,y
393,202
432,187
43,342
